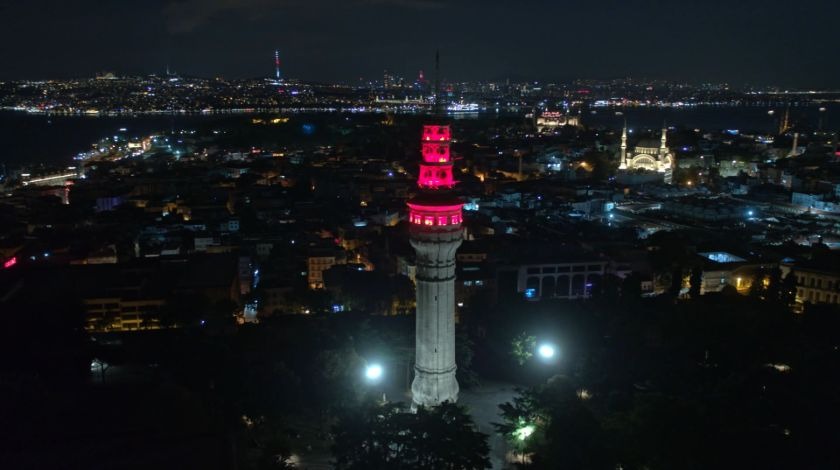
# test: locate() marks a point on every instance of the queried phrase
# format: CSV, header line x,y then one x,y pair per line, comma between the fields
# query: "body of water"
x,y
31,139
742,118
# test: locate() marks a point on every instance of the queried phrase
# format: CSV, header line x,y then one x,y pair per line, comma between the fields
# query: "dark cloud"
x,y
185,16
757,41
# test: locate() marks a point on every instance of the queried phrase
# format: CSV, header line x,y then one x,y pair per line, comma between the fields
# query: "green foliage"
x,y
631,287
757,289
676,284
338,375
695,282
717,381
787,290
269,446
552,428
464,352
522,347
387,437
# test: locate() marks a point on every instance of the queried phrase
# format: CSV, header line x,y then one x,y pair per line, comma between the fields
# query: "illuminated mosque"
x,y
648,156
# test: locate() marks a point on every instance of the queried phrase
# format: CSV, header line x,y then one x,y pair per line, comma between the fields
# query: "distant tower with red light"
x,y
277,65
435,217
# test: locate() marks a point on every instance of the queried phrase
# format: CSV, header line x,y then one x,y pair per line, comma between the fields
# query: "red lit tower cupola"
x,y
435,206
435,216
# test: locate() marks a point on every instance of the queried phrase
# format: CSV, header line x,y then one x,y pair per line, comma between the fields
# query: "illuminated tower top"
x,y
434,206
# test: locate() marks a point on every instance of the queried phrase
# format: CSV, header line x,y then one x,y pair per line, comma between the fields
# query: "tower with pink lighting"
x,y
435,217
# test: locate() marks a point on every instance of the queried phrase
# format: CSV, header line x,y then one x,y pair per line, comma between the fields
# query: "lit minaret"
x,y
794,151
623,163
435,233
663,141
277,64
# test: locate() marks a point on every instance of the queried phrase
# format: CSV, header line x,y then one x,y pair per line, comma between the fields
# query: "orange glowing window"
x,y
429,221
441,133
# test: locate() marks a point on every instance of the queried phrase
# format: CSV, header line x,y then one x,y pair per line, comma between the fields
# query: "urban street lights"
x,y
546,351
373,374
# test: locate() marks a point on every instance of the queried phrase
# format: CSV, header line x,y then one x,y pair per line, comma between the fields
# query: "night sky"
x,y
790,43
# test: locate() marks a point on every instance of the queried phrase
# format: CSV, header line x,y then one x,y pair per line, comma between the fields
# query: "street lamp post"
x,y
373,374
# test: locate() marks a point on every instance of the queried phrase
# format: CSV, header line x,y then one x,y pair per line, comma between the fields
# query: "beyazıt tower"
x,y
435,217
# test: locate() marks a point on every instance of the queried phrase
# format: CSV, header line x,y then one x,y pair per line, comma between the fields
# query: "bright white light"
x,y
546,351
524,432
373,372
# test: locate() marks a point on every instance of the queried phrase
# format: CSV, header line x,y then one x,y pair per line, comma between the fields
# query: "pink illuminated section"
x,y
10,262
435,209
435,216
435,153
436,133
435,177
435,172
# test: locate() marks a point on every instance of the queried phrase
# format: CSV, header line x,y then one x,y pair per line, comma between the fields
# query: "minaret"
x,y
435,232
663,141
622,164
784,126
794,151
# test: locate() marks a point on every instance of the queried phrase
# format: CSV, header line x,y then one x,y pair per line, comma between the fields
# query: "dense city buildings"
x,y
244,269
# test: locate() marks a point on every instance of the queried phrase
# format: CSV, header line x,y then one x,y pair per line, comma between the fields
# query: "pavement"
x,y
483,404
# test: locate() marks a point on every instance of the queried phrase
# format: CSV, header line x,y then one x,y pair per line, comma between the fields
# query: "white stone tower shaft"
x,y
434,380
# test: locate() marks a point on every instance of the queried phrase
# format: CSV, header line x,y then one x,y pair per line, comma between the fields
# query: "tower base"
x,y
433,388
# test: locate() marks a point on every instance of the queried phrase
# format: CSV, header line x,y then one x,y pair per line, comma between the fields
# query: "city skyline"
x,y
746,43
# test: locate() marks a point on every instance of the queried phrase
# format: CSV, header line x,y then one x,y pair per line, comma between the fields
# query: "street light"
x,y
547,351
373,372
524,432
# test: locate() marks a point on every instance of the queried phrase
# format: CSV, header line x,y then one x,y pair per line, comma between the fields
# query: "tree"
x,y
607,287
446,438
774,285
676,282
787,291
336,376
464,352
757,288
695,282
522,347
631,287
386,437
552,428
